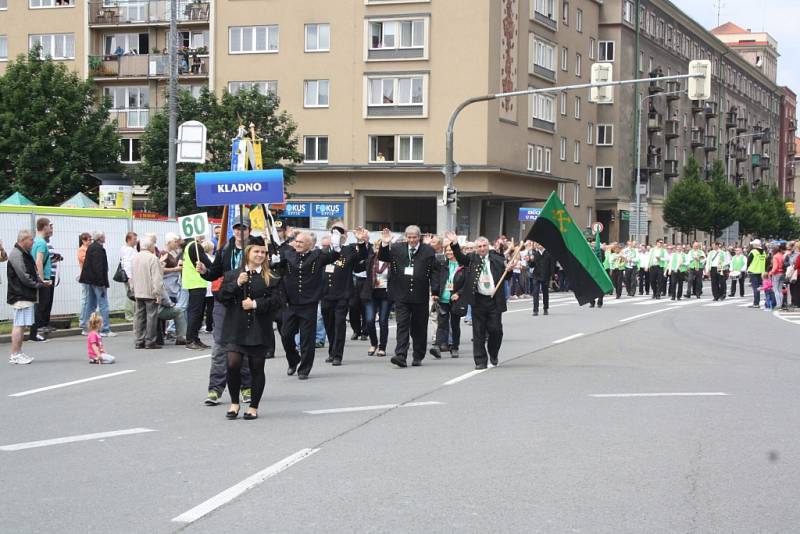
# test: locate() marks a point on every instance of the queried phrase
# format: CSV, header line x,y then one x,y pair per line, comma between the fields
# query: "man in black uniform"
x,y
542,264
484,268
337,291
303,268
412,279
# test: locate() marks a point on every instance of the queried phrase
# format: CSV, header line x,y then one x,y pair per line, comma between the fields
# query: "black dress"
x,y
246,331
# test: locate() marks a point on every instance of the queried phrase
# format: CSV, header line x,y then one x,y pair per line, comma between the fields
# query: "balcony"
x,y
764,162
755,160
697,106
654,163
655,86
766,135
671,129
730,119
654,122
146,12
791,149
741,125
710,109
673,86
670,168
131,119
146,66
710,144
792,125
697,138
740,153
546,20
544,72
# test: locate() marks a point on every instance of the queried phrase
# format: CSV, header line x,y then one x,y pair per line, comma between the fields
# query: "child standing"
x,y
95,342
769,293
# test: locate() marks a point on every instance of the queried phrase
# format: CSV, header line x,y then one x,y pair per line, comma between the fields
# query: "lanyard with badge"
x,y
409,271
485,279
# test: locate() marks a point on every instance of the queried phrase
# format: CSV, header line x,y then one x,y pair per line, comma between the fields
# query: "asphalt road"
x,y
644,416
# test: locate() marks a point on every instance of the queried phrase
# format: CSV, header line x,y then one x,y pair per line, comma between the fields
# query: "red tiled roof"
x,y
728,27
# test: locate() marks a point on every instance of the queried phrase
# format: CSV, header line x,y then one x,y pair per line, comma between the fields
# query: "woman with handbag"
x,y
792,275
252,296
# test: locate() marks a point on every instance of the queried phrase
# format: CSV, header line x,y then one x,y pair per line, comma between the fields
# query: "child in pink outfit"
x,y
95,342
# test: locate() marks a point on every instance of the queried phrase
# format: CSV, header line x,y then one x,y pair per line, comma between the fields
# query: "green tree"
x,y
688,204
54,131
222,117
750,213
724,208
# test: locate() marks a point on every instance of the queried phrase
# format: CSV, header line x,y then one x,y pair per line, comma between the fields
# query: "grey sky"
x,y
779,18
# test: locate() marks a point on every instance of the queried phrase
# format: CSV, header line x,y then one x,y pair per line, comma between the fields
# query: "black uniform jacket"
x,y
415,288
542,264
473,264
249,327
339,275
303,274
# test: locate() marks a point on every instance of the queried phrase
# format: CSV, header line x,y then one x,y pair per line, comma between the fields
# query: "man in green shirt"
x,y
738,271
716,266
655,262
676,261
631,255
697,260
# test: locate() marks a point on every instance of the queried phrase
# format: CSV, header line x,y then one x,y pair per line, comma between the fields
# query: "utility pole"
x,y
173,106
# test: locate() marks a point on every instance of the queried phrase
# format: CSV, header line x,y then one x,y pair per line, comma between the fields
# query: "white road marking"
x,y
458,379
563,339
745,305
793,319
625,395
648,302
371,408
73,439
643,315
247,484
190,359
65,384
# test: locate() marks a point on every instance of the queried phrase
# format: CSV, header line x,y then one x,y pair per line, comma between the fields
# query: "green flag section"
x,y
556,231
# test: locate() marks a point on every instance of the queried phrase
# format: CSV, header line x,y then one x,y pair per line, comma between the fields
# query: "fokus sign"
x,y
239,187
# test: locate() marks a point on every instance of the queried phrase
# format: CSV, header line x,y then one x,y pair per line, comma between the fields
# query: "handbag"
x,y
458,308
120,275
791,274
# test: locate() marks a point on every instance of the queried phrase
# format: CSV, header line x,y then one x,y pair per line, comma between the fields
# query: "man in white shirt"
x,y
126,254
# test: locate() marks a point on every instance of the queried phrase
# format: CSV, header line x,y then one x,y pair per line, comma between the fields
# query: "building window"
x,y
576,195
628,10
605,51
253,39
545,8
578,65
577,107
3,5
316,149
126,43
543,107
54,45
191,40
411,149
130,151
576,158
406,91
3,47
605,177
382,149
589,220
531,157
565,12
605,134
589,176
563,103
562,191
579,20
263,87
641,61
562,153
397,34
548,156
543,55
316,93
589,133
318,37
564,58
592,47
48,3
129,105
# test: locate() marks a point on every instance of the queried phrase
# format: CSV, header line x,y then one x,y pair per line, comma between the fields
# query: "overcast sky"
x,y
779,18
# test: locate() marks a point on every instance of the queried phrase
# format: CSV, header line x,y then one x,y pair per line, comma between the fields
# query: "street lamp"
x,y
639,157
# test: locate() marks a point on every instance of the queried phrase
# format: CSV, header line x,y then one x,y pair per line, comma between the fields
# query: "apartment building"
x,y
787,148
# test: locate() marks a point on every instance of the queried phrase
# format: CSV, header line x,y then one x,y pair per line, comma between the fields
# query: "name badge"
x,y
449,287
330,268
408,271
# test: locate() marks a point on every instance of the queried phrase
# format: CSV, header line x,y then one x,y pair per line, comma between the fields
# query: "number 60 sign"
x,y
193,225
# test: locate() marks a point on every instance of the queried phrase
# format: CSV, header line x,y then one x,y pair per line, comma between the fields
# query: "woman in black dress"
x,y
252,296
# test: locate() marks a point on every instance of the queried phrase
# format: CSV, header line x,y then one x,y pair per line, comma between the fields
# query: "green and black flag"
x,y
556,231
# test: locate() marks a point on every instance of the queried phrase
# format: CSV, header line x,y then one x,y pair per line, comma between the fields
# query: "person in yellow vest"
x,y
756,265
738,272
196,286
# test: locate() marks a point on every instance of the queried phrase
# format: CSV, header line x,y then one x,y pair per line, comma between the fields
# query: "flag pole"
x,y
514,258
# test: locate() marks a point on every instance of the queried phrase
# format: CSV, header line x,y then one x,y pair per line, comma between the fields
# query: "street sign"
x,y
239,187
529,214
602,73
597,227
699,88
297,209
332,210
193,225
192,142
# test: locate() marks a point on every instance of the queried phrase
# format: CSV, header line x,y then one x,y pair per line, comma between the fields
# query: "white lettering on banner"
x,y
238,188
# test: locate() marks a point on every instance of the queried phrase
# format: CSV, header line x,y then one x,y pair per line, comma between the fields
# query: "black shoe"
x,y
399,361
454,353
337,362
138,346
672,298
291,370
480,367
249,416
546,312
231,414
319,344
600,305
591,305
435,352
417,363
302,377
329,359
152,346
536,314
354,337
493,361
363,337
269,356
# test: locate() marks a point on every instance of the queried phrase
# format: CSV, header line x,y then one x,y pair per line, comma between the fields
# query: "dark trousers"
x,y
630,280
145,322
379,306
448,327
656,278
644,282
740,280
695,282
676,285
209,314
234,377
755,283
357,322
412,319
42,310
544,286
300,318
718,280
194,313
334,315
487,330
218,374
616,279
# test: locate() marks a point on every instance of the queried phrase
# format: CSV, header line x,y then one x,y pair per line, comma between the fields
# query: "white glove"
x,y
336,240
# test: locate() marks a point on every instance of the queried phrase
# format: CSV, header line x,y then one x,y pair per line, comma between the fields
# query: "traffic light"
x,y
450,195
602,73
699,88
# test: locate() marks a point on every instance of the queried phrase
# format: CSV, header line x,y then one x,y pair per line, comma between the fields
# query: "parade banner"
x,y
239,187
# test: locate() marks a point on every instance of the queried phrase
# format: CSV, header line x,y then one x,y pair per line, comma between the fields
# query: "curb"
x,y
69,332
